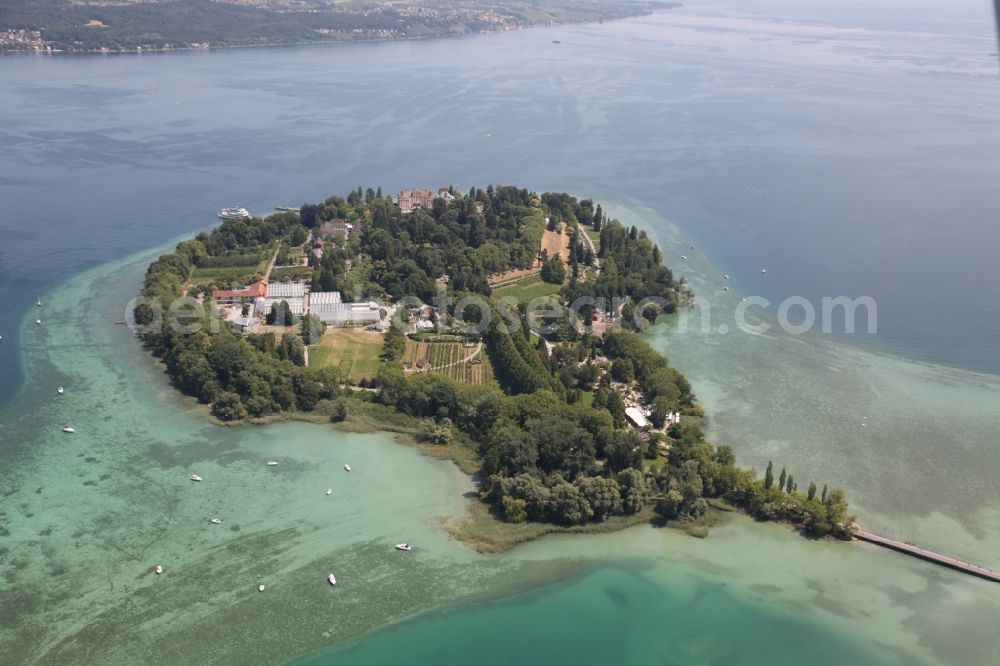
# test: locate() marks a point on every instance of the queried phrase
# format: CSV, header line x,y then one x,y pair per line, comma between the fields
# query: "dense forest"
x,y
551,436
157,24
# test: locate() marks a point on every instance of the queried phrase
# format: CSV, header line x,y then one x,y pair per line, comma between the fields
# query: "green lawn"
x,y
594,236
356,352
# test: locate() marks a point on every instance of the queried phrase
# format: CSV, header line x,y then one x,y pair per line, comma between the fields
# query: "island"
x,y
498,328
153,25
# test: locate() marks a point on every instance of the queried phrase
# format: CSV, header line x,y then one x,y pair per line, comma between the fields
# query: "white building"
x,y
635,415
347,314
321,298
296,305
286,290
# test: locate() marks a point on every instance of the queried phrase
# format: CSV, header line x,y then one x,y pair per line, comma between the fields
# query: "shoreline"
x,y
327,42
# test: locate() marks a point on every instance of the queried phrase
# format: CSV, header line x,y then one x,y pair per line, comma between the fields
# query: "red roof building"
x,y
232,296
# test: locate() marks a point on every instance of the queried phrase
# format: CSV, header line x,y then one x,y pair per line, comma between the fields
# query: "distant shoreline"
x,y
271,44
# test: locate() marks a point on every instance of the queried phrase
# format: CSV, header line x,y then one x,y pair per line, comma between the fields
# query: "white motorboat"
x,y
331,579
38,322
684,257
347,467
195,477
763,270
272,463
69,429
39,302
404,546
261,587
158,569
725,277
216,521
329,491
60,390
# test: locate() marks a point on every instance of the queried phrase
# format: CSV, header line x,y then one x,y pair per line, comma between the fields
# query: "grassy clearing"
x,y
594,236
527,288
354,349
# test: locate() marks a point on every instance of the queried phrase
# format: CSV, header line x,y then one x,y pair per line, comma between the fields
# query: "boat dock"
x,y
928,555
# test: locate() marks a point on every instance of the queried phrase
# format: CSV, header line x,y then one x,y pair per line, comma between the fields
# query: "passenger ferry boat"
x,y
234,214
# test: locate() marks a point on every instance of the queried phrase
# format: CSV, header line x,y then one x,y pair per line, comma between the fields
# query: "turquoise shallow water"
x,y
615,614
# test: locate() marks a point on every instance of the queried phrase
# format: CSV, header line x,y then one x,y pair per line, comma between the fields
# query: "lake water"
x,y
849,148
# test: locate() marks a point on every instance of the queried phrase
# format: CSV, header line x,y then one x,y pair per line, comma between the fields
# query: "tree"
x,y
602,494
526,487
625,450
781,479
768,477
312,329
554,270
669,506
514,510
790,484
812,491
339,411
228,407
633,489
568,506
562,445
622,370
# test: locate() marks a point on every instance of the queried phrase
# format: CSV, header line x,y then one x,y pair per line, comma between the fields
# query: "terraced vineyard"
x,y
448,358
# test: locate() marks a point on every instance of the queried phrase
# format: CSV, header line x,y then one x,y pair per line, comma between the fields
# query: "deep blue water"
x,y
851,149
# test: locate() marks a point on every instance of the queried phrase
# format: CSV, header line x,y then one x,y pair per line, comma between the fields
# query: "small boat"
x,y
331,579
556,41
195,477
38,322
404,546
725,277
347,467
725,289
60,390
272,463
763,270
216,521
329,491
69,429
684,257
158,569
39,302
261,587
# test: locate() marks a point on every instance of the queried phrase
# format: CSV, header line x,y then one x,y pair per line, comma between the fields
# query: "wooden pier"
x,y
928,555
